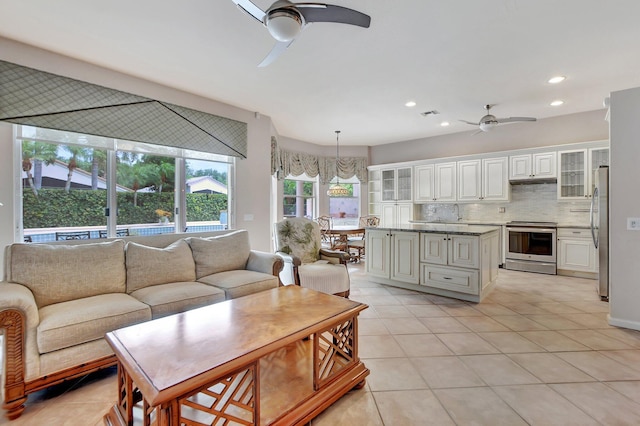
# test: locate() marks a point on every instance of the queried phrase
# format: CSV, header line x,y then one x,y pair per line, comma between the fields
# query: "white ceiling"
x,y
451,56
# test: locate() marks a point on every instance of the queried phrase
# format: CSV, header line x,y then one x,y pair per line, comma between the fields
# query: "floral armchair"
x,y
299,243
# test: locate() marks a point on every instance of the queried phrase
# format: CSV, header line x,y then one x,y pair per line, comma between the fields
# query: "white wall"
x,y
253,190
573,128
624,178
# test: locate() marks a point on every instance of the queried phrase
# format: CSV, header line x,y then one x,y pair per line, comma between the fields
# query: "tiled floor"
x,y
537,351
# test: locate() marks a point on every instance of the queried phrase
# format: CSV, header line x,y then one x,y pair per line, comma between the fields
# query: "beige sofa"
x,y
58,300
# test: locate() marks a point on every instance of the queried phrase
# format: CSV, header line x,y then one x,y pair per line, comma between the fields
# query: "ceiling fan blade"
x,y
277,50
251,9
476,132
315,12
470,122
514,119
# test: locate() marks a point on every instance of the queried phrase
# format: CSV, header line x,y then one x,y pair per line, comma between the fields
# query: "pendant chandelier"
x,y
337,190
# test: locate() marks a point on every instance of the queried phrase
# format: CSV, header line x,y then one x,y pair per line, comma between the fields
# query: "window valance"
x,y
285,163
37,98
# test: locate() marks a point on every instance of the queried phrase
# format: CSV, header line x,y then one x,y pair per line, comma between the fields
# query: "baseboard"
x,y
633,325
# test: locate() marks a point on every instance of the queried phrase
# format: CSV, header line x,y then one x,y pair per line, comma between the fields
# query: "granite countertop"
x,y
443,228
494,223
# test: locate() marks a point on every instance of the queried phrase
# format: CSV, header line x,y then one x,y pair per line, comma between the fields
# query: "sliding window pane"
x,y
206,189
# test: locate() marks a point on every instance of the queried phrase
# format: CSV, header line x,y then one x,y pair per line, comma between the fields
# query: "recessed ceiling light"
x,y
557,79
410,104
557,103
445,123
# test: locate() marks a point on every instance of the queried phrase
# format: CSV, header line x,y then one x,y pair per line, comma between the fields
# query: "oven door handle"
x,y
518,229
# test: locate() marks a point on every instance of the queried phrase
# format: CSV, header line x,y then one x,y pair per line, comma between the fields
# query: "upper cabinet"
x,y
396,184
435,182
576,172
374,192
484,179
540,165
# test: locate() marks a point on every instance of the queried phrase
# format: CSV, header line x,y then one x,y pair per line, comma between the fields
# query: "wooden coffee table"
x,y
276,357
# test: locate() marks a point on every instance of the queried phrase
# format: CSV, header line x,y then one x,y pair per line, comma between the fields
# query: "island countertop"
x,y
440,228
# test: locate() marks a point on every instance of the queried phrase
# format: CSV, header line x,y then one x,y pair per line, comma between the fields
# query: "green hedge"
x,y
57,208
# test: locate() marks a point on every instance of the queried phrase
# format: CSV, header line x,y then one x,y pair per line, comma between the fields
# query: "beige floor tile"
x,y
460,310
518,323
553,341
400,291
599,366
384,346
375,300
371,327
549,368
510,342
369,291
392,311
558,308
630,337
629,389
498,370
444,325
601,402
355,408
493,309
540,405
405,326
393,374
630,358
414,299
466,343
446,372
595,340
477,406
411,407
527,308
68,414
556,322
596,320
416,345
590,306
425,311
483,323
441,300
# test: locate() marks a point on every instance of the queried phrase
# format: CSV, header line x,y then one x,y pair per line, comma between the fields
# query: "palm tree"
x,y
76,151
98,160
33,155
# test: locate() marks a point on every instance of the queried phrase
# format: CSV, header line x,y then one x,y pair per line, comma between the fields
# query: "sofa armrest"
x,y
18,318
262,261
335,256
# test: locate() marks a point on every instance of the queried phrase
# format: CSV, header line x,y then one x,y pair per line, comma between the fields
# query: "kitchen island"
x,y
452,260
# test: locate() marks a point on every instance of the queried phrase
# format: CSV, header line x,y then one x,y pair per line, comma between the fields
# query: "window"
x,y
299,198
346,210
67,190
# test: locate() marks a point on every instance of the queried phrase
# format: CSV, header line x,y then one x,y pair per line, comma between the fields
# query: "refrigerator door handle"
x,y
593,229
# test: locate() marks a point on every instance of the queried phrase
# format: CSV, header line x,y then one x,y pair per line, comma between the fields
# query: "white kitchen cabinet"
x,y
395,214
435,182
541,165
396,184
576,172
483,179
393,255
576,252
448,249
374,193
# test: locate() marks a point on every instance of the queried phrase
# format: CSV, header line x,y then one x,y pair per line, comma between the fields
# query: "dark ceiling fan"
x,y
285,20
489,121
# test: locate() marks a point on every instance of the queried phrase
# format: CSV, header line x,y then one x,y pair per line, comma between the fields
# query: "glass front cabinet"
x,y
577,170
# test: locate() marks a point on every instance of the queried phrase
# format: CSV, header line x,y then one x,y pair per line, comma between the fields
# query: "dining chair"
x,y
298,241
324,222
358,242
73,235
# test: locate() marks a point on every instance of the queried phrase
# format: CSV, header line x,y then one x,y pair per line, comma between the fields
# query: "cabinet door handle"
x,y
447,278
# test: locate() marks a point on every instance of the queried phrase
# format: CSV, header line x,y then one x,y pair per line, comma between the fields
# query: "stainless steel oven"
x,y
531,247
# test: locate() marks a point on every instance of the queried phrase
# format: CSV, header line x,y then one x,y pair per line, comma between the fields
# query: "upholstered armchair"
x,y
298,241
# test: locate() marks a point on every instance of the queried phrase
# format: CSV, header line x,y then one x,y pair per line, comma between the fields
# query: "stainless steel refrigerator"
x,y
600,227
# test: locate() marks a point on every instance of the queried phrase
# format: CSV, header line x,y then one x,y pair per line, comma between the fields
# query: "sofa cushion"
x,y
218,254
66,324
151,266
60,273
240,282
168,299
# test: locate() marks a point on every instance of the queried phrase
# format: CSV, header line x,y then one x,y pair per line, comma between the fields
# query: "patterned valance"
x,y
288,163
37,98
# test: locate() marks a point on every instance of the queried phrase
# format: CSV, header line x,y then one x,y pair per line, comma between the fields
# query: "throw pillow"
x,y
147,266
226,252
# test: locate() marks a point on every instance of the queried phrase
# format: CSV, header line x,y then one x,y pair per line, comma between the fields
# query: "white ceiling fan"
x,y
489,121
285,20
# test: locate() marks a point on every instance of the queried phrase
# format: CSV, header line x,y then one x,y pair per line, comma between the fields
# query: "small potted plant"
x,y
163,216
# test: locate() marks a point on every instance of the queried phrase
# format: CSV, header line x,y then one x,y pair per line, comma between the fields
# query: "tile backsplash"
x,y
536,202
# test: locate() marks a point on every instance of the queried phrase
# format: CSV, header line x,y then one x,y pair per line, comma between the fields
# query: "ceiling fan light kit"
x,y
285,20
